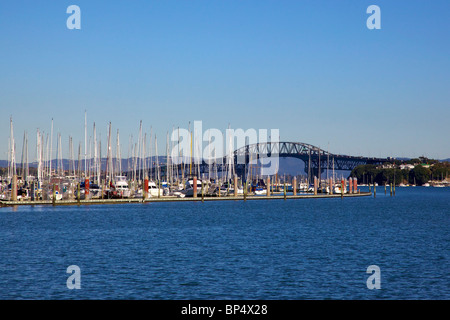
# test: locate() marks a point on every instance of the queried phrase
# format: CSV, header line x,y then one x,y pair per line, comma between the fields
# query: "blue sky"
x,y
309,68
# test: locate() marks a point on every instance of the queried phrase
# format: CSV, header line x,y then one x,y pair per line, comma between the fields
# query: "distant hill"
x,y
287,166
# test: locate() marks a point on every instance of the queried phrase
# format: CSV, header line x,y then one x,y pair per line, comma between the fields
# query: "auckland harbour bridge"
x,y
315,158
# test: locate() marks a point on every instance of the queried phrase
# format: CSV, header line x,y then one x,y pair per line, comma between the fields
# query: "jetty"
x,y
8,203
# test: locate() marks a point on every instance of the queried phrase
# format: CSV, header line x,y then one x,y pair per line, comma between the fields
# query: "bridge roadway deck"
x,y
4,203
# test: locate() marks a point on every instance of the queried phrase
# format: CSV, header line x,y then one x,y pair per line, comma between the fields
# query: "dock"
x,y
6,203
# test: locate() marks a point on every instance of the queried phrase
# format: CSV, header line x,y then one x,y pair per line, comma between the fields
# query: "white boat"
x,y
337,189
153,190
95,191
426,185
303,186
240,190
121,186
189,188
58,196
260,191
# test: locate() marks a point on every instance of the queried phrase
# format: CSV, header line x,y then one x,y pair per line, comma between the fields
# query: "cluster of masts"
x,y
142,164
91,163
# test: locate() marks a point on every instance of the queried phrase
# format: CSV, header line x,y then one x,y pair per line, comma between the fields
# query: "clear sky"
x,y
311,69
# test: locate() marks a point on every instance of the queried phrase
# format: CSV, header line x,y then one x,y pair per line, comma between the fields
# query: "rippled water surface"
x,y
293,249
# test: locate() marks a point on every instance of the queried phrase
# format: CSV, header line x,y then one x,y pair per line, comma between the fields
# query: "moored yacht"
x,y
154,191
121,186
189,188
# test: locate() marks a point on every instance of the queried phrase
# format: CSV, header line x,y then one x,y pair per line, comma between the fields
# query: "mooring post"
x,y
86,188
14,188
78,192
355,185
391,189
219,188
245,191
195,186
284,189
145,188
159,189
54,194
235,185
315,185
202,190
350,185
294,185
33,191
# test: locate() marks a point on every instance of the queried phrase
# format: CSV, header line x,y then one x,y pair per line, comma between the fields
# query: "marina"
x,y
179,175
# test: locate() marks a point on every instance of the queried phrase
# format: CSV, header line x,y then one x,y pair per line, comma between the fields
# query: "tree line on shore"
x,y
423,171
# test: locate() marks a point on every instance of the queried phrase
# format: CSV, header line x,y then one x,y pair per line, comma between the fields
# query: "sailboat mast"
x,y
95,174
157,161
118,156
85,143
51,151
38,155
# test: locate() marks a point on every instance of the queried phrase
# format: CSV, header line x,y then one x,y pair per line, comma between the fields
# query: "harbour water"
x,y
277,249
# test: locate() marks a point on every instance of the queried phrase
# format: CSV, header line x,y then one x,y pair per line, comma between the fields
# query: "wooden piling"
x,y
14,188
268,186
195,187
159,189
203,191
315,185
350,185
235,185
245,191
145,188
33,191
54,194
86,188
294,185
219,185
